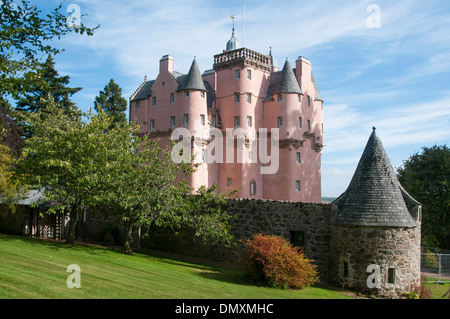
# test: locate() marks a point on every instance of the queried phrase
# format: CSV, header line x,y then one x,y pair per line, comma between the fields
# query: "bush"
x,y
273,261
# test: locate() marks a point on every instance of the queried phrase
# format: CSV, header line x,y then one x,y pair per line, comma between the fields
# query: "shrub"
x,y
273,261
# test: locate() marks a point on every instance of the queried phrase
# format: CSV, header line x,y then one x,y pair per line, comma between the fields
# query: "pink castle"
x,y
251,126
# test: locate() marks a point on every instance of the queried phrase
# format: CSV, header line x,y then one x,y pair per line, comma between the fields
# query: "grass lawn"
x,y
31,268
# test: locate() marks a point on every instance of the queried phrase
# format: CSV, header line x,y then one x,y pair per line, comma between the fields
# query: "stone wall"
x,y
259,216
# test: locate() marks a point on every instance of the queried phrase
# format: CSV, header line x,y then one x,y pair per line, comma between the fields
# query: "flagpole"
x,y
244,26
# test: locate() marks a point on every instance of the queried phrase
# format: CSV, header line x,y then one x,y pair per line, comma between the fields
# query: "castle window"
x,y
237,121
137,105
249,98
300,122
154,101
308,125
202,119
152,124
213,121
229,182
298,238
280,121
186,119
345,270
237,74
299,97
172,121
309,100
172,98
279,98
249,74
237,98
299,157
186,93
297,186
391,276
202,94
252,187
163,83
249,121
204,155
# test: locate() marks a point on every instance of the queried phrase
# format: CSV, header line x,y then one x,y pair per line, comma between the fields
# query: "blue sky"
x,y
395,77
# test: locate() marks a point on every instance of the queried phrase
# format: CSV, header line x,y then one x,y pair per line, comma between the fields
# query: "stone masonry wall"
x,y
359,247
259,216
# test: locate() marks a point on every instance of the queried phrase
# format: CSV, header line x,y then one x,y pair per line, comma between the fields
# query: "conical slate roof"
x,y
374,195
287,82
193,80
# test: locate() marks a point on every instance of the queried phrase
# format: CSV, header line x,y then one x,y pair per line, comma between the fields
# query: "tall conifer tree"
x,y
111,101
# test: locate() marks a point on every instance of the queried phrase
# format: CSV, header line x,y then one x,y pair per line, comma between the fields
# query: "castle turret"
x,y
375,244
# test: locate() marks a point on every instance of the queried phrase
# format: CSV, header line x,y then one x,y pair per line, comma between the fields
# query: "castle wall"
x,y
258,216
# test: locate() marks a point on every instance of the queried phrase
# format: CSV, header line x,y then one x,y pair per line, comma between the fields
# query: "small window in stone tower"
x,y
237,74
213,121
279,98
186,93
345,270
229,182
152,125
137,105
298,238
249,74
308,125
391,275
249,121
172,98
299,157
237,98
186,119
309,100
297,186
237,121
202,119
172,121
154,101
249,98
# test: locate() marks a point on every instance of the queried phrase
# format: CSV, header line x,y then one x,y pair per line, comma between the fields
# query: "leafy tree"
x,y
25,33
426,176
65,158
111,101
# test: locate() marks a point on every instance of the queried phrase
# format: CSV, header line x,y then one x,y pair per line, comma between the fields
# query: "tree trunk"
x,y
127,238
73,221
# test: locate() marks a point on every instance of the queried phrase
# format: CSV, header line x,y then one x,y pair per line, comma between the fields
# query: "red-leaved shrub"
x,y
273,261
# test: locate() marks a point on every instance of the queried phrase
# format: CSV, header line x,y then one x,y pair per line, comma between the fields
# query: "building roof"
x,y
193,80
233,43
287,82
374,196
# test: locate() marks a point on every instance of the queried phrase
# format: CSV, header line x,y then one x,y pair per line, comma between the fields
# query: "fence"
x,y
435,267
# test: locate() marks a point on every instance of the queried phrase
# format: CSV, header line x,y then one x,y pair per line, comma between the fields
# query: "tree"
x,y
426,176
50,84
25,33
142,187
111,101
65,158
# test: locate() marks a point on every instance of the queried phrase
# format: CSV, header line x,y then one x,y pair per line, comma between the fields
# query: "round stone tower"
x,y
375,235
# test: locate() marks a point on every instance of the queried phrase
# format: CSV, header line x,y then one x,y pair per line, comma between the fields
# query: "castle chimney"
x,y
166,64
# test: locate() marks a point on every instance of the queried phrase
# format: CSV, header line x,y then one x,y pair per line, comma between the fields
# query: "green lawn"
x,y
32,268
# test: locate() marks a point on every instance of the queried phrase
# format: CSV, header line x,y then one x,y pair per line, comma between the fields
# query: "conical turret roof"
x,y
287,82
193,80
374,195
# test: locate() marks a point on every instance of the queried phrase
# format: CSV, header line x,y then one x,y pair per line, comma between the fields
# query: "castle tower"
x,y
375,236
